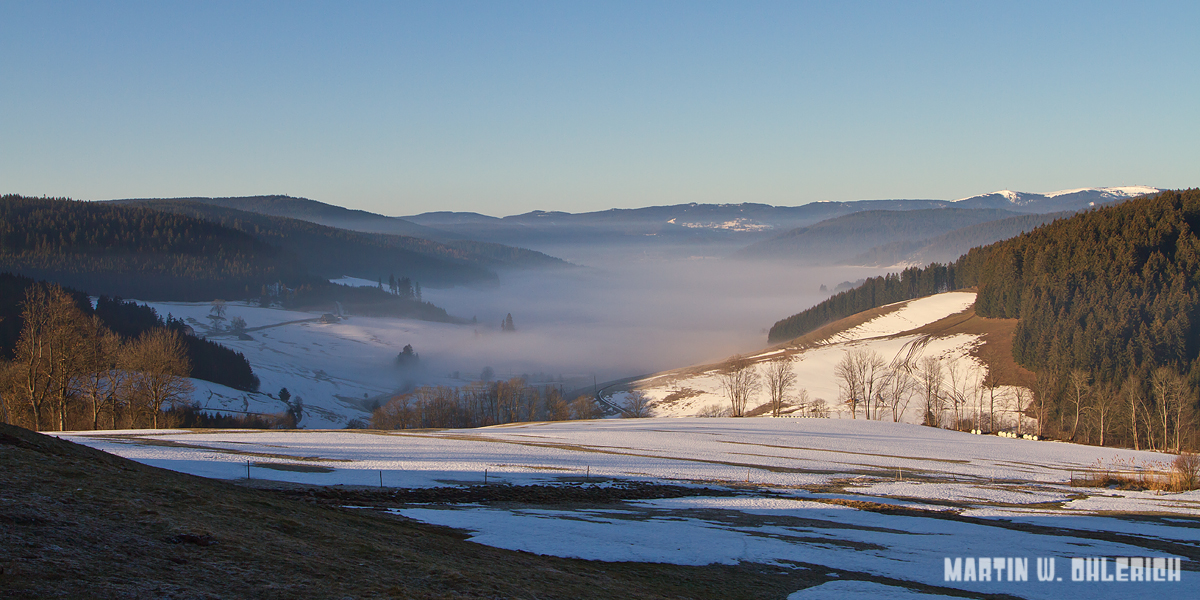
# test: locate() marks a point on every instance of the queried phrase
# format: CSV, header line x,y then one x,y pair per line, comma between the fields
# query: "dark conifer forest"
x,y
136,252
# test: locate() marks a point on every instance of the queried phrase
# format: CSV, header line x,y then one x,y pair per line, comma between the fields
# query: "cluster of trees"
x,y
403,287
480,404
70,371
947,393
366,301
1154,412
741,379
210,361
407,358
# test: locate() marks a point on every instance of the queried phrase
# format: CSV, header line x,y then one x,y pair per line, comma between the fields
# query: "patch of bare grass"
x,y
1181,475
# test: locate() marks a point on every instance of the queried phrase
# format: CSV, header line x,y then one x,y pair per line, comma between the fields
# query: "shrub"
x,y
1186,471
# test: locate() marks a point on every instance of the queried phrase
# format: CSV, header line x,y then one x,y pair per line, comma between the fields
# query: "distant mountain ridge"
x,y
312,211
839,239
908,237
366,240
1075,199
709,229
948,247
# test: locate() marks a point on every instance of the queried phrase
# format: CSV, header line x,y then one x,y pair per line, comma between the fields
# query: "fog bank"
x,y
623,314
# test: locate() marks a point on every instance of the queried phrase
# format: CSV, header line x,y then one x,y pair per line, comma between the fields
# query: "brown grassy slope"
x,y
996,349
79,523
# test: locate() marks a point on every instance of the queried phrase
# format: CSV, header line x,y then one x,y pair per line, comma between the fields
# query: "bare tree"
x,y
47,351
1044,388
1106,403
858,375
584,407
992,384
1080,382
637,404
508,399
217,313
557,408
739,381
159,369
930,381
1021,397
802,401
956,391
101,382
1135,400
1168,389
780,378
896,389
396,414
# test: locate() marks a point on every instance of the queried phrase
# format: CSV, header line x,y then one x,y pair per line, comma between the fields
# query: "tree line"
x,y
129,320
130,251
330,252
913,282
133,251
480,404
70,371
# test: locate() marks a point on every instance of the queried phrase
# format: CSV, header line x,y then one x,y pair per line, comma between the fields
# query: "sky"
x,y
504,107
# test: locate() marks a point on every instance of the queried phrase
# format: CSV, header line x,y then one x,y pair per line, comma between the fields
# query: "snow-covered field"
x,y
688,393
961,495
338,369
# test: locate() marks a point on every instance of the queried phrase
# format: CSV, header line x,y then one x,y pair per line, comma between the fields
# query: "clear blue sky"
x,y
505,107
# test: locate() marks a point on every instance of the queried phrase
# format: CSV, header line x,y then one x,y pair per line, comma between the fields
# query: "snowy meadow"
x,y
889,500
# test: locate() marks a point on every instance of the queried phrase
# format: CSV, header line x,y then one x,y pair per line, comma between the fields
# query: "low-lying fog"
x,y
621,314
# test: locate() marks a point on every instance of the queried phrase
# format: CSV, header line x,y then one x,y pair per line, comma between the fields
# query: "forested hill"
x,y
287,219
1114,292
136,252
331,253
314,212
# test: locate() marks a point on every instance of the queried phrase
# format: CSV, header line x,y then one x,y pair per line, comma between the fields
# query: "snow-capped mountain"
x,y
1054,201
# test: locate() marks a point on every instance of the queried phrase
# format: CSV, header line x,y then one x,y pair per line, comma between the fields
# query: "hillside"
x,y
312,211
78,522
330,253
1107,313
839,239
136,252
313,229
334,252
947,247
943,328
1115,291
